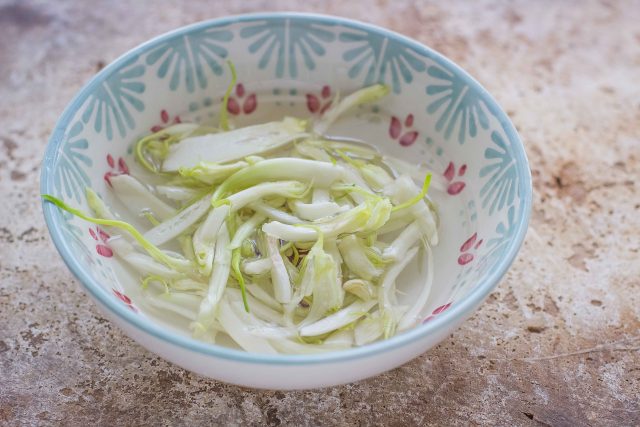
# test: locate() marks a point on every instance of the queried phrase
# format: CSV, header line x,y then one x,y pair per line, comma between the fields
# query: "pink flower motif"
x,y
125,299
471,244
395,130
100,236
319,103
437,311
249,104
165,120
121,169
454,187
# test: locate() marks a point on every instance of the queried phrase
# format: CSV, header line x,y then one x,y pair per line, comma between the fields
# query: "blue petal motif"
x,y
110,106
457,103
185,58
501,187
380,59
284,44
70,179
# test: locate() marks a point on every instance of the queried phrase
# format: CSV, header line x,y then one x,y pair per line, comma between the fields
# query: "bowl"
x,y
436,115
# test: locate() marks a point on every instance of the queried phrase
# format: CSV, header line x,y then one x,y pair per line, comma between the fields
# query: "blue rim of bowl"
x,y
454,314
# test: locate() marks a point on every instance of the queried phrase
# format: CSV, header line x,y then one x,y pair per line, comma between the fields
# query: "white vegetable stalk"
x,y
204,238
177,193
232,320
257,266
289,189
322,174
353,253
368,216
263,296
399,247
175,226
385,296
142,263
180,303
217,281
233,145
404,189
368,329
412,316
316,210
211,173
246,229
338,319
279,276
275,213
363,96
137,198
320,195
321,275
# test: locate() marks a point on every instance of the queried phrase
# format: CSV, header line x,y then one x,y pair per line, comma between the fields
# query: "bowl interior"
x,y
294,64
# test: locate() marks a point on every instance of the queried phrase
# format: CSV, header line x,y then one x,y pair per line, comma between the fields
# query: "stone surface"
x,y
557,343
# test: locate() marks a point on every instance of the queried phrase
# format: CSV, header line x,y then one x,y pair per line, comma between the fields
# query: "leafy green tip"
x,y
224,113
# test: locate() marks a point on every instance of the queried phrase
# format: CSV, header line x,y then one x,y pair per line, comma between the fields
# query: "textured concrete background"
x,y
558,343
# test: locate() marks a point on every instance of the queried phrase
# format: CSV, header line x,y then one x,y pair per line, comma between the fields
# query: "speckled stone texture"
x,y
557,343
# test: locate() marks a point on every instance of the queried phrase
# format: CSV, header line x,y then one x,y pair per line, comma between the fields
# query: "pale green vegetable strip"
x,y
98,206
177,193
257,266
279,275
341,338
315,211
320,173
405,240
289,189
389,278
258,292
338,319
258,309
183,304
412,316
217,281
363,289
246,229
275,213
211,173
416,172
354,256
141,262
403,190
368,329
327,291
312,152
363,96
320,195
178,224
153,250
368,216
233,320
137,198
233,145
204,238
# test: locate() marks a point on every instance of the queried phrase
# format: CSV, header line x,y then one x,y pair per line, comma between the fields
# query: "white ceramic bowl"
x,y
436,115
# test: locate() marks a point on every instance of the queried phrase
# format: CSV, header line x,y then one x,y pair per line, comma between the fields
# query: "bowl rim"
x,y
455,314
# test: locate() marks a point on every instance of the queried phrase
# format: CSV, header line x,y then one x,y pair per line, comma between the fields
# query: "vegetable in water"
x,y
290,241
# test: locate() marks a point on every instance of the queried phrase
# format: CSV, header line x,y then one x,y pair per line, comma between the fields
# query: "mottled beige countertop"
x,y
557,343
